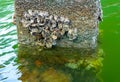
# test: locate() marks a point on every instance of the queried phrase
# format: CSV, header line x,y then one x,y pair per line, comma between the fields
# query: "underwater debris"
x,y
46,28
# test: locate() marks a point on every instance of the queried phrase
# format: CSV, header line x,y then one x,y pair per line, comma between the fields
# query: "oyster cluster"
x,y
46,28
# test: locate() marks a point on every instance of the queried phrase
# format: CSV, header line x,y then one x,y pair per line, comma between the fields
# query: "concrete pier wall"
x,y
63,23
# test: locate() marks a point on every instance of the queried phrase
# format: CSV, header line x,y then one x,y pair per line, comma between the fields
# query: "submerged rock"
x,y
59,64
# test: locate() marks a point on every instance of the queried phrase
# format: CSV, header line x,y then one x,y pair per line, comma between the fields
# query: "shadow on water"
x,y
59,64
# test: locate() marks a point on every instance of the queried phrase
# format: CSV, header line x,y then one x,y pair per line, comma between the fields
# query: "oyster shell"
x,y
48,28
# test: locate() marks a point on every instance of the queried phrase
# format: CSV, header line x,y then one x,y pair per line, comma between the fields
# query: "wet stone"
x,y
60,23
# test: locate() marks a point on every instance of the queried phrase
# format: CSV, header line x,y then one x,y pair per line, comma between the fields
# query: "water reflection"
x,y
59,64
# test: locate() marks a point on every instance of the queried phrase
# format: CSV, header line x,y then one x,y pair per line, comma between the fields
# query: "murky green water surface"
x,y
111,40
13,66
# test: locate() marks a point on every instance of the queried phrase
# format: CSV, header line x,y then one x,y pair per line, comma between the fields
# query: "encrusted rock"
x,y
69,23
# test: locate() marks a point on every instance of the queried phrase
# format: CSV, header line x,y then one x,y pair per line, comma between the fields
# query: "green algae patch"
x,y
88,62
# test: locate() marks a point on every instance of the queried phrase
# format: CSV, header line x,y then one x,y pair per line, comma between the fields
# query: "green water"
x,y
110,28
111,40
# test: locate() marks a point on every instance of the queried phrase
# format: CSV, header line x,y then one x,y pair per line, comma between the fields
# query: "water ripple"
x,y
9,74
8,37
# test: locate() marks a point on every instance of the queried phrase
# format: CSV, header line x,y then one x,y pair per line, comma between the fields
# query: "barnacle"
x,y
72,33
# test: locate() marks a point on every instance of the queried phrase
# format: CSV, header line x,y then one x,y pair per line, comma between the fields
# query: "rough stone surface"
x,y
84,14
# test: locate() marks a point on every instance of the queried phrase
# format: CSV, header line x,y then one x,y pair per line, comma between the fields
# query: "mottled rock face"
x,y
65,23
46,28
